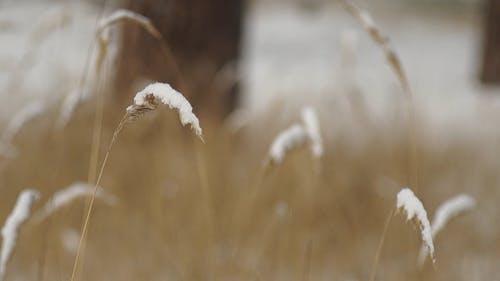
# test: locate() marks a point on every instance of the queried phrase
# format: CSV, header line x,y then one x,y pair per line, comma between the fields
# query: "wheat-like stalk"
x,y
103,35
415,211
368,24
450,209
161,93
292,137
146,100
447,211
65,196
121,15
10,229
298,135
381,40
127,15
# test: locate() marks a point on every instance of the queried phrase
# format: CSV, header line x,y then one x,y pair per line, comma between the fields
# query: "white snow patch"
x,y
288,139
64,197
311,124
10,229
415,210
448,210
157,93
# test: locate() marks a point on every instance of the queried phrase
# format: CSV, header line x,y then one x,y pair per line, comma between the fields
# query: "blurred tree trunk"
x,y
490,72
204,38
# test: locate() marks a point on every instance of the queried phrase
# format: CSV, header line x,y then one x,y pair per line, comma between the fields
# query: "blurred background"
x,y
187,210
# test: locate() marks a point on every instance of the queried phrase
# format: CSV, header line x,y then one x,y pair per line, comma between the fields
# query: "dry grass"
x,y
189,211
329,223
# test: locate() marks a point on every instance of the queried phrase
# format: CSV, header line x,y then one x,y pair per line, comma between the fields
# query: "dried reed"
x,y
145,101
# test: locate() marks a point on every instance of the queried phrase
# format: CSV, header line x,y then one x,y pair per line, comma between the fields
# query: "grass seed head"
x,y
415,211
161,93
293,137
10,229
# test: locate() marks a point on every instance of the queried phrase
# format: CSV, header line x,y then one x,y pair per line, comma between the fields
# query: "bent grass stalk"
x,y
123,15
103,41
97,128
378,253
90,206
415,211
447,211
145,101
10,229
395,64
69,194
294,137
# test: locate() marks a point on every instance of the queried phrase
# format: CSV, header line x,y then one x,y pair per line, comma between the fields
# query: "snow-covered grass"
x,y
157,93
415,211
191,211
10,229
290,138
66,196
448,210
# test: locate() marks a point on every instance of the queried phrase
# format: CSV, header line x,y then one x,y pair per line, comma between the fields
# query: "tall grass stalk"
x,y
380,246
207,208
395,64
123,15
90,206
96,143
447,211
145,101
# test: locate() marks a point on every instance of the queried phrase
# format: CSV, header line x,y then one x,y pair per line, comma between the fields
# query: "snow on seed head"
x,y
10,229
311,125
161,93
415,211
292,137
447,211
